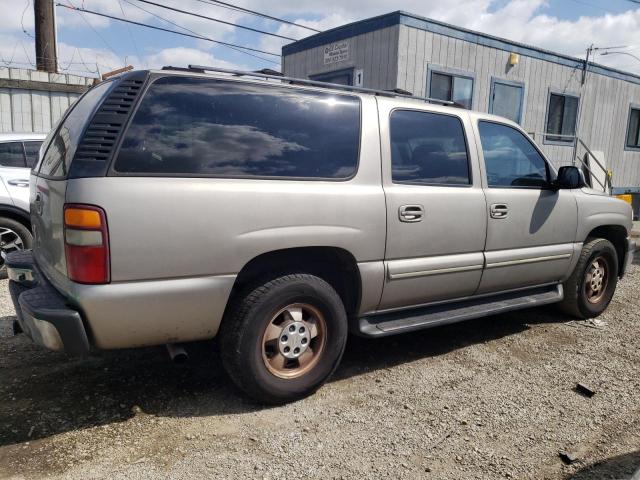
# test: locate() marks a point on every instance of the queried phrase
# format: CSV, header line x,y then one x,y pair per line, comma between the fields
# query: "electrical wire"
x,y
133,40
253,12
196,33
73,7
154,27
256,30
24,30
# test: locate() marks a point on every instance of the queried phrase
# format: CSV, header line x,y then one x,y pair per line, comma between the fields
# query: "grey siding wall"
x,y
604,101
374,52
399,57
25,110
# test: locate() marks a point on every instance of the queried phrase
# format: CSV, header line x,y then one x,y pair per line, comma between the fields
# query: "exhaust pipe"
x,y
177,353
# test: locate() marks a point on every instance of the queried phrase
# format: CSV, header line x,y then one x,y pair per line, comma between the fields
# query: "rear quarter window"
x,y
208,127
63,143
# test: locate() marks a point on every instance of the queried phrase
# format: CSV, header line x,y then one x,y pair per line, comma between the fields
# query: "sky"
x,y
88,44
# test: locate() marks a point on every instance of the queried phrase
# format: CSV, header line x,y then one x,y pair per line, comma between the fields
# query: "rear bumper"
x,y
43,313
628,258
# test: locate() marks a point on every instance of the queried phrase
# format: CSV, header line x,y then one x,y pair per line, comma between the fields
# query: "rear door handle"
x,y
19,183
411,213
499,210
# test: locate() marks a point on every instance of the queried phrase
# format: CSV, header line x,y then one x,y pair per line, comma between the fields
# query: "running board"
x,y
380,325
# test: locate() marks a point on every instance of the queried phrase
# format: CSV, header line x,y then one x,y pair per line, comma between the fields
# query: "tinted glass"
x,y
11,154
343,79
441,86
211,127
507,100
463,91
633,134
561,117
428,148
510,158
63,145
32,149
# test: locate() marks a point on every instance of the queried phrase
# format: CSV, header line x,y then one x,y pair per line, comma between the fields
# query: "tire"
x,y
255,336
13,236
581,299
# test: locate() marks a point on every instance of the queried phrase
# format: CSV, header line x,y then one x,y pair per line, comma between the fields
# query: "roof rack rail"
x,y
315,83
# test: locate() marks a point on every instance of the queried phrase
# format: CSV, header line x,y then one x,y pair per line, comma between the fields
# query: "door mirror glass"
x,y
569,177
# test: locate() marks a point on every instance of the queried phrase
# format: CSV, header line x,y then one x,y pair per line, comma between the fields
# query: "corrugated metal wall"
x,y
35,110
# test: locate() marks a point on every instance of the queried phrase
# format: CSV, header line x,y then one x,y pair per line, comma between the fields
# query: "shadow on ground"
x,y
622,467
44,393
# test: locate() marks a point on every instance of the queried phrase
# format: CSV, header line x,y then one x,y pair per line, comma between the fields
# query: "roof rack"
x,y
315,83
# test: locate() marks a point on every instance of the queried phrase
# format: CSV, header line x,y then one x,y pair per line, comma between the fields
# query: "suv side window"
x,y
11,154
428,149
511,159
210,127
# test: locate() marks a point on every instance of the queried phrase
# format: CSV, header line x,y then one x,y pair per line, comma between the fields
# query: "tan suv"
x,y
278,214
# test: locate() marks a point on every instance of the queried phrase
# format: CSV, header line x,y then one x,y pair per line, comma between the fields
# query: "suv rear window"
x,y
208,127
60,151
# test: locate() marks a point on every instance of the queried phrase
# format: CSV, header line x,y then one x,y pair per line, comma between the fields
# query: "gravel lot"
x,y
491,398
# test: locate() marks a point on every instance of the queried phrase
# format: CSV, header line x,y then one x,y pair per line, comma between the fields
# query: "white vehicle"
x,y
18,154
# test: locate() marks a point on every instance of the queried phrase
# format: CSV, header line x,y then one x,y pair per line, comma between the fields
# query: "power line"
x,y
259,14
73,7
140,24
133,40
198,34
217,20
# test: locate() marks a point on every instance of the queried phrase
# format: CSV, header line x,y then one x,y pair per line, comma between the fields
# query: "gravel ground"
x,y
491,398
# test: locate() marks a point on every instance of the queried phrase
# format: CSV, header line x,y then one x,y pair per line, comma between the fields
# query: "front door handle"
x,y
411,213
499,210
19,183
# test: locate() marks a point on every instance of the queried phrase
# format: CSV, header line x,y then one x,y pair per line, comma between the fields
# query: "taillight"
x,y
86,244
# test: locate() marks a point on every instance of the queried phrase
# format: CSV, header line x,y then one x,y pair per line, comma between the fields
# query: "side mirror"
x,y
569,177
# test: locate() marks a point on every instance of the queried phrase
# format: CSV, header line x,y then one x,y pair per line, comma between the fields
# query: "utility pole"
x,y
46,59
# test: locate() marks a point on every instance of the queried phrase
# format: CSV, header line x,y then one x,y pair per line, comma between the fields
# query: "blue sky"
x,y
89,43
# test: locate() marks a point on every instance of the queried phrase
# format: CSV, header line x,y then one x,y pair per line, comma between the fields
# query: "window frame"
x,y
321,77
24,154
112,172
466,144
551,173
452,72
627,146
510,83
545,135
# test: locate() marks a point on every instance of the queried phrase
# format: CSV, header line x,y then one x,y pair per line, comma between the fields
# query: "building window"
x,y
633,133
507,99
339,77
452,87
562,116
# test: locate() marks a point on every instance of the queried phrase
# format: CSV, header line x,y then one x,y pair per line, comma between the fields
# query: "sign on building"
x,y
336,52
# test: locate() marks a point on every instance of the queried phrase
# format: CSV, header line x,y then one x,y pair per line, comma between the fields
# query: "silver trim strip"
x,y
439,271
528,260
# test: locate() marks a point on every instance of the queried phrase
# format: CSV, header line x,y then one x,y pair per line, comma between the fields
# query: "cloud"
x,y
181,56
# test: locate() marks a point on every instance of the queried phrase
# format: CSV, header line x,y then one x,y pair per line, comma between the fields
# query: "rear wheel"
x,y
284,338
593,282
14,236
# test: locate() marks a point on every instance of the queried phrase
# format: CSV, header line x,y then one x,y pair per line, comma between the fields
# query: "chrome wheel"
x,y
294,340
10,241
596,279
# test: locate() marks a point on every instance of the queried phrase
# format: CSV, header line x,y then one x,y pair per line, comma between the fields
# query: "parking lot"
x,y
492,398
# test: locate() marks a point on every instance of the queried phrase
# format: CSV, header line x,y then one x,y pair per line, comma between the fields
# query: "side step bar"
x,y
380,325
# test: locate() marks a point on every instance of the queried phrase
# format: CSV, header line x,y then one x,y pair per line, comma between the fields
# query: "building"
x,y
553,96
32,101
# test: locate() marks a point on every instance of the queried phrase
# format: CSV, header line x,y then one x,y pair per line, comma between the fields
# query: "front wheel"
x,y
593,282
284,338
